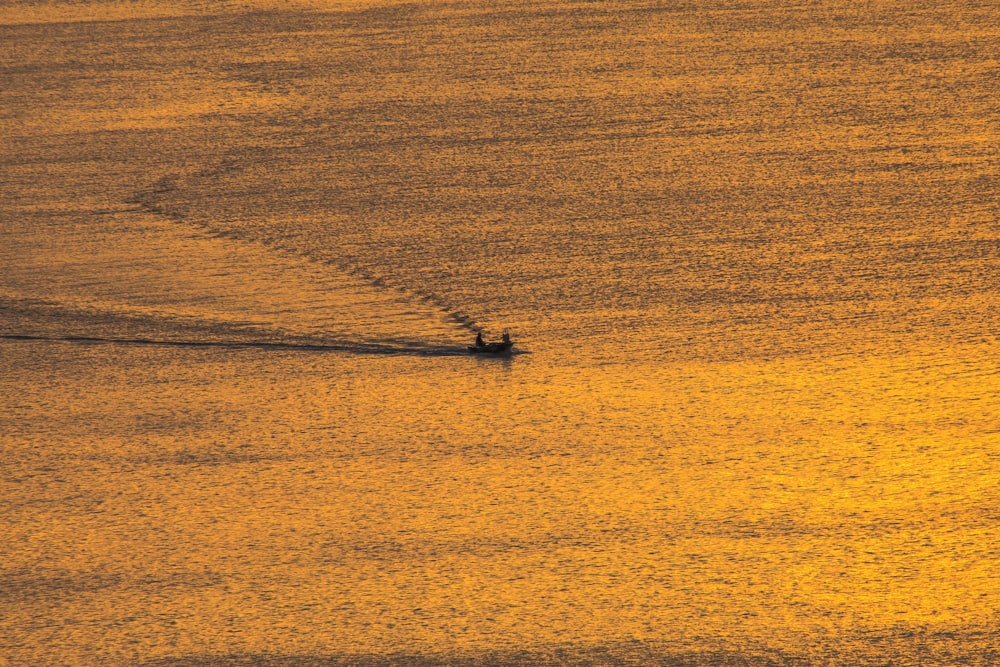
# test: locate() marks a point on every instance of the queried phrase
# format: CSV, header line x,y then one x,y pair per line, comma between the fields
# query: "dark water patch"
x,y
631,653
25,584
68,318
898,647
195,459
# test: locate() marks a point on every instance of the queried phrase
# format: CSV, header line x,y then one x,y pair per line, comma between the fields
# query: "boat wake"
x,y
158,199
412,349
147,280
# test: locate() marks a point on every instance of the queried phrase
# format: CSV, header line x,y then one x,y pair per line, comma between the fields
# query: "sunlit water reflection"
x,y
748,254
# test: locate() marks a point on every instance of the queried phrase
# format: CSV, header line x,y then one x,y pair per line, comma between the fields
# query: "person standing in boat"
x,y
479,339
506,337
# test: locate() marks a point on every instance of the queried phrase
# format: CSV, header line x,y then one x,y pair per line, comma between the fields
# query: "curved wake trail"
x,y
157,199
133,277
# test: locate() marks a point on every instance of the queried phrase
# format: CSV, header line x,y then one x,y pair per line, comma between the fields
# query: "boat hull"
x,y
492,349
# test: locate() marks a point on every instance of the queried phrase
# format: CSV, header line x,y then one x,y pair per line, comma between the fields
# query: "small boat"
x,y
496,349
502,348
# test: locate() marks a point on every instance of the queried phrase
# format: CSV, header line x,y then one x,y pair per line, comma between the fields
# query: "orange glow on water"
x,y
749,253
697,502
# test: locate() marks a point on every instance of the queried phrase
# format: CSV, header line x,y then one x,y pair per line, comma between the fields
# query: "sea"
x,y
748,251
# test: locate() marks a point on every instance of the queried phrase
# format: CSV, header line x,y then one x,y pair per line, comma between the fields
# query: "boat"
x,y
496,349
502,348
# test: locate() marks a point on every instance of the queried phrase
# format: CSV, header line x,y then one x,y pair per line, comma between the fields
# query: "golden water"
x,y
750,251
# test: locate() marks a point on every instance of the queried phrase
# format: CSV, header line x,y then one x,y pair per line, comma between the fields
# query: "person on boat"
x,y
479,339
506,337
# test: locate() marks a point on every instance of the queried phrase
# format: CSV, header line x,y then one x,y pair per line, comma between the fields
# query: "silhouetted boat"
x,y
498,349
492,348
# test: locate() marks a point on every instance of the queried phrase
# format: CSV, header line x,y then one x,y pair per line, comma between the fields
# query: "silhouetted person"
x,y
506,337
479,339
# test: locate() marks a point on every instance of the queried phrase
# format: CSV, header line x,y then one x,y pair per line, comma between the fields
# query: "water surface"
x,y
748,251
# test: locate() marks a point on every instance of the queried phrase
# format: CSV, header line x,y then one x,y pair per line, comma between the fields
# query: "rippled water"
x,y
748,251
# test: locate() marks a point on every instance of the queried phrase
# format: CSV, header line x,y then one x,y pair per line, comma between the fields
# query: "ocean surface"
x,y
749,252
